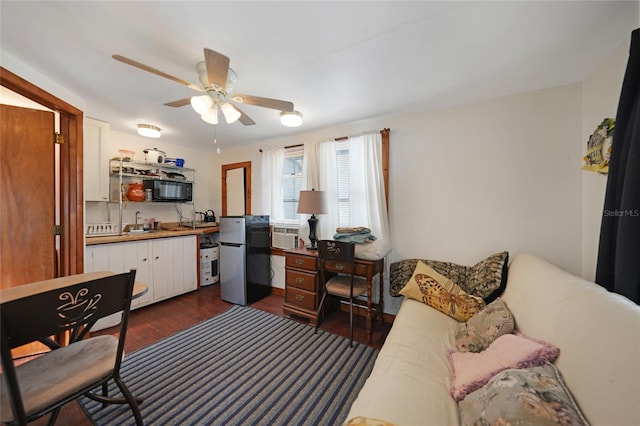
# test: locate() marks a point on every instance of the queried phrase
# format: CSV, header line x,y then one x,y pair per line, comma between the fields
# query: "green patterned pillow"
x,y
531,396
486,279
493,321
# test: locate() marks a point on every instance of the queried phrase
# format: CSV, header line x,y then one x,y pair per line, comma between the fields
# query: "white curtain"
x,y
367,202
272,164
328,182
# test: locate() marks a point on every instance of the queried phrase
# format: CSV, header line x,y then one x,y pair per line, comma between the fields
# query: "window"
x,y
291,181
342,160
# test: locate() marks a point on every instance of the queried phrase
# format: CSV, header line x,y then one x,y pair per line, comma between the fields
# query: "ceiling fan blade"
x,y
263,102
244,118
217,68
156,72
179,103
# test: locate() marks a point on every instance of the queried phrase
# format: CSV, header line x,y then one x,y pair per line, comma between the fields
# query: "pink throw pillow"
x,y
471,370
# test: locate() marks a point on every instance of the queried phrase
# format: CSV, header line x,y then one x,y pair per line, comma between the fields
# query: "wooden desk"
x,y
303,289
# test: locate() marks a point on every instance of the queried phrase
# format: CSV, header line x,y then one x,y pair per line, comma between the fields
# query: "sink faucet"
x,y
138,216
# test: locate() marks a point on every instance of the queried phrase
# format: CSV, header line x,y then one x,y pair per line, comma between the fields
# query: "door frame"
x,y
71,170
246,165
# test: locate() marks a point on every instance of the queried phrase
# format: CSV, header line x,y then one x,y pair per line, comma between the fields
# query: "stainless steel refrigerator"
x,y
245,258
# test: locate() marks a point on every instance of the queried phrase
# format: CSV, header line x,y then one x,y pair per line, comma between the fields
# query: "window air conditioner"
x,y
284,238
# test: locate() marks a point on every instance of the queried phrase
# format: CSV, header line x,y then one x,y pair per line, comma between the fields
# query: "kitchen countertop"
x,y
176,231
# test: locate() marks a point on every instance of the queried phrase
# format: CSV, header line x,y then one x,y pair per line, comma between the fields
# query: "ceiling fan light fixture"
x,y
201,104
211,116
230,113
291,118
149,131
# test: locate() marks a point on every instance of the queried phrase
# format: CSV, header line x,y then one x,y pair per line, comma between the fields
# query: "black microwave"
x,y
169,190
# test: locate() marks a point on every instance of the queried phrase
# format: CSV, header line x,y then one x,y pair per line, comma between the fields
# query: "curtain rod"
x,y
341,138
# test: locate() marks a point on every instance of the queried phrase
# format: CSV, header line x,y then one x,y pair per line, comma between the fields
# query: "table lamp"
x,y
312,202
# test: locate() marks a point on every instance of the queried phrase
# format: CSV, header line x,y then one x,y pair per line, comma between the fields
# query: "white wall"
x,y
465,182
600,95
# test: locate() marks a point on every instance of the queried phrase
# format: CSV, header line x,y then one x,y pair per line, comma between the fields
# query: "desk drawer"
x,y
302,298
301,280
301,262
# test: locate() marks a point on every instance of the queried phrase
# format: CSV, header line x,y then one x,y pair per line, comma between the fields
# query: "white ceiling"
x,y
337,62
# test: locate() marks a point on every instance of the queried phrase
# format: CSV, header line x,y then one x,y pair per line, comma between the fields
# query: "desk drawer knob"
x,y
299,280
340,266
299,297
299,262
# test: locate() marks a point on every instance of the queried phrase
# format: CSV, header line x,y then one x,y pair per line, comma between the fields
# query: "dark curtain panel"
x,y
618,267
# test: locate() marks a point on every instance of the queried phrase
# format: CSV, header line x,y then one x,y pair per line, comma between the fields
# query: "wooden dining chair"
x,y
42,385
336,261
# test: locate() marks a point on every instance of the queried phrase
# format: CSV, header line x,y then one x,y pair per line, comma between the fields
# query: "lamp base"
x,y
313,223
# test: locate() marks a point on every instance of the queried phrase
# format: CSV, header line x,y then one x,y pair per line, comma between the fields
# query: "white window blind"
x,y
342,160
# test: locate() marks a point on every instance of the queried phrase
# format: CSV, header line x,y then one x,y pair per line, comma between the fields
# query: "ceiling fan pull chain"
x,y
215,139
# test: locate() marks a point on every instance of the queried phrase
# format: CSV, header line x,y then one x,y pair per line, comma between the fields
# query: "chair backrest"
x,y
76,307
338,256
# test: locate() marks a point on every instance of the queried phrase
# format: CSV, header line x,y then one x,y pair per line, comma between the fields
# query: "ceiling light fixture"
x,y
148,131
291,118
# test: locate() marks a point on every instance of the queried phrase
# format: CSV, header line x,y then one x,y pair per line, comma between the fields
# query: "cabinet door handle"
x,y
157,257
299,297
144,260
299,280
340,266
299,262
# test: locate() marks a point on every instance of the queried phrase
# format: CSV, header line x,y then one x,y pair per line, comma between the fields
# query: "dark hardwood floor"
x,y
152,323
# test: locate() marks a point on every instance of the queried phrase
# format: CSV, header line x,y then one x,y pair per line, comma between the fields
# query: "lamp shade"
x,y
201,104
312,202
230,113
211,116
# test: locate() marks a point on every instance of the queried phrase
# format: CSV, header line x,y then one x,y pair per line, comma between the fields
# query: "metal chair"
x,y
337,266
44,384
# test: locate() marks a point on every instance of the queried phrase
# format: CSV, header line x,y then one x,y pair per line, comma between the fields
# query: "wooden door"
x,y
27,196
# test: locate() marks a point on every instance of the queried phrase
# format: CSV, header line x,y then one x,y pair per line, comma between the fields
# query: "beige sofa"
x,y
598,334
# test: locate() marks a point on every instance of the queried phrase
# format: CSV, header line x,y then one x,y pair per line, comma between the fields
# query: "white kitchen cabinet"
x,y
162,261
185,264
168,266
136,256
96,165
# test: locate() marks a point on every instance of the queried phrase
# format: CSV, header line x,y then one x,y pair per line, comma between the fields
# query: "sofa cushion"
x,y
409,383
431,288
536,395
493,321
591,326
486,279
472,370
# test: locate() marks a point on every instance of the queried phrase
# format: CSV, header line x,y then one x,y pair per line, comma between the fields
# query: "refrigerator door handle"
x,y
231,244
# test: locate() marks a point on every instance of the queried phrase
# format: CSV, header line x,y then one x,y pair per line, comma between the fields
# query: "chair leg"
x,y
350,323
53,417
105,392
130,399
319,312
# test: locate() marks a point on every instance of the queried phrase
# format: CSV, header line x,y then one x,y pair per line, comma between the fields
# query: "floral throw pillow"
x,y
472,370
431,288
493,321
531,396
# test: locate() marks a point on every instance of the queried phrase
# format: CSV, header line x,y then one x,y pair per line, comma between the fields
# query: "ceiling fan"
x,y
216,80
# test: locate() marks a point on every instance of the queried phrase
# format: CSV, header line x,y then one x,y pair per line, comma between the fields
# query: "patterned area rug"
x,y
242,367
